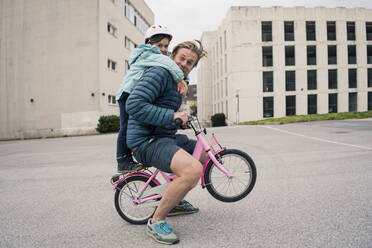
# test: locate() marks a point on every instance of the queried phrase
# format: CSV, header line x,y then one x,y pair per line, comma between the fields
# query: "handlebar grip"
x,y
179,122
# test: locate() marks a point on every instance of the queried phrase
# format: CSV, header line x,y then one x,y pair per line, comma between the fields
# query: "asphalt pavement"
x,y
314,189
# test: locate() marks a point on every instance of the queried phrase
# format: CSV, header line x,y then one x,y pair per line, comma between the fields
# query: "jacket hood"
x,y
141,49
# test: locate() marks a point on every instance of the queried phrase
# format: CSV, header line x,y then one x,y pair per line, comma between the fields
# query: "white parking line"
x,y
319,139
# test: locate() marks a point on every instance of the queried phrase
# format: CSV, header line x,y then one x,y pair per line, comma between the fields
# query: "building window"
x,y
311,55
350,29
126,66
289,55
289,31
331,30
111,29
268,107
369,100
135,17
267,56
227,89
369,54
227,109
332,79
225,63
352,78
332,54
111,99
111,64
267,81
224,39
369,30
351,54
332,103
353,102
311,80
290,80
369,77
129,44
312,104
290,105
113,1
266,31
310,30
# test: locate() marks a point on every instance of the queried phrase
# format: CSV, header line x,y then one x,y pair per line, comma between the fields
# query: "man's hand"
x,y
182,116
182,88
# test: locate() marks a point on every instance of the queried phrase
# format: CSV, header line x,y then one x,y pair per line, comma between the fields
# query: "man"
x,y
152,136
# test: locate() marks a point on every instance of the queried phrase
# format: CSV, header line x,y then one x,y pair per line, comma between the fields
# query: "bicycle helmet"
x,y
155,30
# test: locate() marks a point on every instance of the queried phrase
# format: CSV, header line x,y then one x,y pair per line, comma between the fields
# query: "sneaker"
x,y
161,232
127,164
184,207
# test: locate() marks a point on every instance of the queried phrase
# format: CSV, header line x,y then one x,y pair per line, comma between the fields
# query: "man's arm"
x,y
140,104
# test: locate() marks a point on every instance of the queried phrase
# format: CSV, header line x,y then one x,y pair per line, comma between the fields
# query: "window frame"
x,y
311,60
332,82
334,104
289,50
268,111
353,101
331,31
352,78
290,85
266,34
289,34
351,54
332,60
350,26
312,85
290,110
313,105
267,61
309,32
268,81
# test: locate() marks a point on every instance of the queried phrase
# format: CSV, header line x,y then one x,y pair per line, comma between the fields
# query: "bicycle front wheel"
x,y
226,189
124,195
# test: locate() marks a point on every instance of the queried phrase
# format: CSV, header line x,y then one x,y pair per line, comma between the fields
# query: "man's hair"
x,y
195,46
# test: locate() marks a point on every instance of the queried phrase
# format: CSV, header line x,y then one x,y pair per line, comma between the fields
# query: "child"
x,y
151,53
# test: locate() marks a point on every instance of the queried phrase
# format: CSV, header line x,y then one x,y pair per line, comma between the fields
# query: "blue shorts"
x,y
158,152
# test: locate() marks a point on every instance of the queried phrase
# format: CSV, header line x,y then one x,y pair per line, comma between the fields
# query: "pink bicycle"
x,y
229,175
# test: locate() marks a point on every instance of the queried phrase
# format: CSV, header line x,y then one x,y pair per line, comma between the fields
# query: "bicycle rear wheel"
x,y
243,169
130,212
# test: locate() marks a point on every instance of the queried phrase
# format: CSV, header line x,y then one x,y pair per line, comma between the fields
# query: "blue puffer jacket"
x,y
151,107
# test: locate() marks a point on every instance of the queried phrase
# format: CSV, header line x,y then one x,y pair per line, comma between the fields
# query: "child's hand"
x,y
182,87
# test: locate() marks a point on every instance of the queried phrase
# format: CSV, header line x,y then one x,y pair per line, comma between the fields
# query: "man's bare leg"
x,y
188,171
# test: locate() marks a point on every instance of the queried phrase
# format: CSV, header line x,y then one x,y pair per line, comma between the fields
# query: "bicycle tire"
x,y
123,200
247,172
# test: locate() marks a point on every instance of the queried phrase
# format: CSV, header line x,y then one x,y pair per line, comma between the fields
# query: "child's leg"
x,y
122,149
123,153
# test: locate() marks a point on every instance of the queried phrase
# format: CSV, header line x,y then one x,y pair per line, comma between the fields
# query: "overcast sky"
x,y
187,19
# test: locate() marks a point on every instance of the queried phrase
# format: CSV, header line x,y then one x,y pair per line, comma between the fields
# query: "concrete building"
x,y
61,62
276,62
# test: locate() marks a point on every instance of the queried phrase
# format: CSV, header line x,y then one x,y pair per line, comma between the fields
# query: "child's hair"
x,y
195,46
157,38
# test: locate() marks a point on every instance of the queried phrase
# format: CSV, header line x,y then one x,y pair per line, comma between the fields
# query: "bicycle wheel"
x,y
243,169
125,192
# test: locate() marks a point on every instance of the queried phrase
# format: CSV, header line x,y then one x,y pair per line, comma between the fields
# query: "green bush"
x,y
108,124
218,120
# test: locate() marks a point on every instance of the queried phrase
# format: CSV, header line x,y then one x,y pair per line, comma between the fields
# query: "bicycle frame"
x,y
156,192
